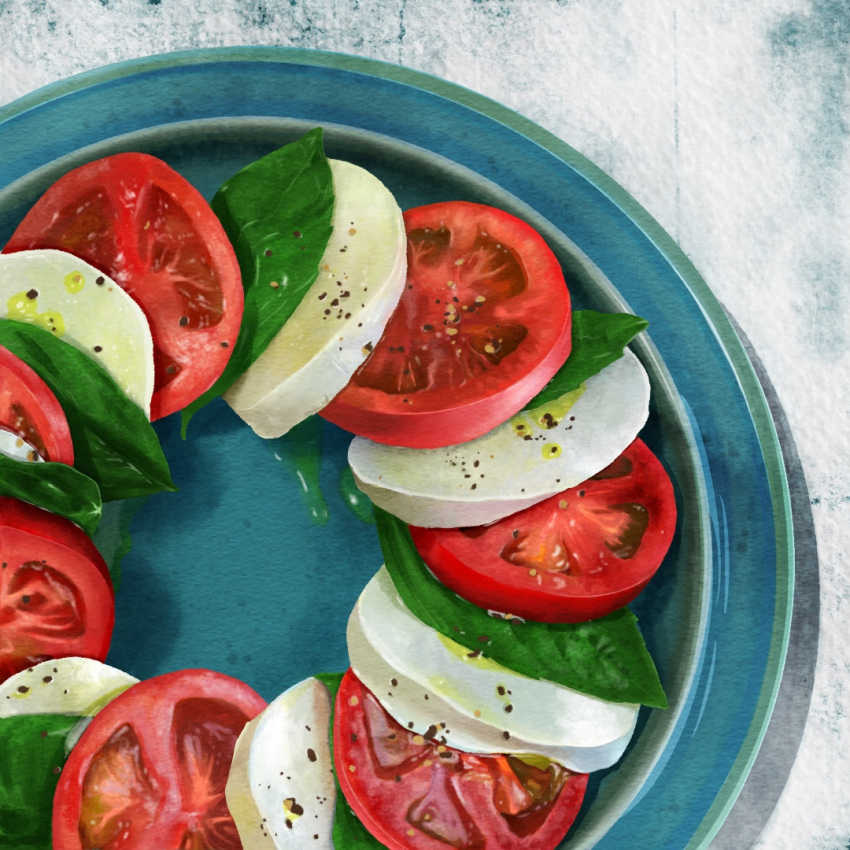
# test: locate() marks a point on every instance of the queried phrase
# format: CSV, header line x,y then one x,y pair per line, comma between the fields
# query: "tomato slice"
x,y
56,597
414,793
140,222
29,409
576,556
151,768
482,326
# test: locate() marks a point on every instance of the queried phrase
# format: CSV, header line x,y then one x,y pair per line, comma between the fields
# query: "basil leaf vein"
x,y
56,487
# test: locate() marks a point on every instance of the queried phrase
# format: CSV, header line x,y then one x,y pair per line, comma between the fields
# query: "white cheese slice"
x,y
532,456
477,705
84,307
361,278
72,686
281,789
424,710
16,447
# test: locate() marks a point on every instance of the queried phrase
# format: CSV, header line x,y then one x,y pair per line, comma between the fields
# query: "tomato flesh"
x,y
56,597
137,220
481,327
29,409
151,769
412,791
576,556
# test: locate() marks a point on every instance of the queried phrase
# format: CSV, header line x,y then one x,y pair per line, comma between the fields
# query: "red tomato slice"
x,y
140,222
414,793
56,597
29,409
575,556
150,770
483,325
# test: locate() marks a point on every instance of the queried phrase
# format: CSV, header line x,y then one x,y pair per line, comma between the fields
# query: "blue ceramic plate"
x,y
239,572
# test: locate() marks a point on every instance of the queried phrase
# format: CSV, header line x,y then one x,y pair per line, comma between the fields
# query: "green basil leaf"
x,y
598,340
348,829
112,537
606,658
277,214
114,444
56,487
32,754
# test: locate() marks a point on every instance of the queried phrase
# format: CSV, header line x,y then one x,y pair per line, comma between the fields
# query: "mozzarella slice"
x,y
17,447
240,800
81,305
477,705
281,789
532,456
72,686
361,277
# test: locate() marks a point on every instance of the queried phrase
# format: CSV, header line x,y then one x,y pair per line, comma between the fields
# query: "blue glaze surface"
x,y
230,574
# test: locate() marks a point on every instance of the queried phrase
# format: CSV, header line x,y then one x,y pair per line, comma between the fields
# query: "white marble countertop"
x,y
728,122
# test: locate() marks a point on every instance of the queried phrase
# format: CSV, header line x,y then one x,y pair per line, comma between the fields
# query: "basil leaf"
x,y
606,658
32,754
113,535
114,444
348,829
277,214
598,340
56,487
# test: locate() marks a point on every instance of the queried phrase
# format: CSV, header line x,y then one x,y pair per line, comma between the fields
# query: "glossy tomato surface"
x,y
140,222
412,791
56,597
578,555
150,770
29,409
482,326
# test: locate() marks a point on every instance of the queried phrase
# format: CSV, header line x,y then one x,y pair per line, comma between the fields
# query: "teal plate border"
x,y
712,423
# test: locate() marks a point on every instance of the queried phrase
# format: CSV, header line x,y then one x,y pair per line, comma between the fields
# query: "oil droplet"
x,y
74,282
23,307
558,408
357,501
521,426
300,451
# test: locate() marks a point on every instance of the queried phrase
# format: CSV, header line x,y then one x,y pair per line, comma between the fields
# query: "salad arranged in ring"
x,y
493,661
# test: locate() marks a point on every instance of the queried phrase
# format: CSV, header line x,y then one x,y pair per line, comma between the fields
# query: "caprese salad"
x,y
493,661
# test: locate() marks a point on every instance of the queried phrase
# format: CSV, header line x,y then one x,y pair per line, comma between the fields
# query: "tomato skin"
x,y
153,764
636,508
137,220
455,361
56,596
422,795
29,409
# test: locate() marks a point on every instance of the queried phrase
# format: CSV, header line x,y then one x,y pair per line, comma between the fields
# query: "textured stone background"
x,y
727,121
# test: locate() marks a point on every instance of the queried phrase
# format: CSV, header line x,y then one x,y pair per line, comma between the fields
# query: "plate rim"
x,y
712,311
